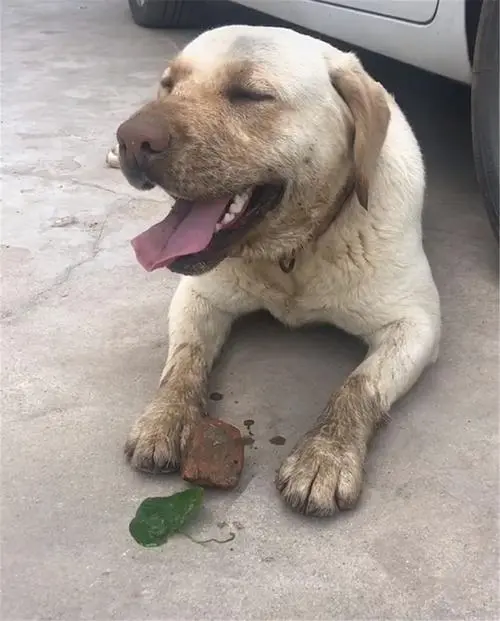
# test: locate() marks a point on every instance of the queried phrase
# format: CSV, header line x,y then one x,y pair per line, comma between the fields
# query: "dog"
x,y
298,187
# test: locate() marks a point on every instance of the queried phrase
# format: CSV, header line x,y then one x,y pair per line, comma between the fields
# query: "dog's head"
x,y
254,132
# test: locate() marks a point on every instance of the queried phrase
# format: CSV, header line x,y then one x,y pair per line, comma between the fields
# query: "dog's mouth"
x,y
198,234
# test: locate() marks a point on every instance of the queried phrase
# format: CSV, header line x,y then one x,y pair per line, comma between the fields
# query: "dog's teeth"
x,y
244,196
239,202
236,206
228,218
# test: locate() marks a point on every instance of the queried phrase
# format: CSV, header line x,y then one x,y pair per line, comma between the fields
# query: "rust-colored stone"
x,y
214,455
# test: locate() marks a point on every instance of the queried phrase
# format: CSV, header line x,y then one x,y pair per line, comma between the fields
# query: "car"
x,y
457,39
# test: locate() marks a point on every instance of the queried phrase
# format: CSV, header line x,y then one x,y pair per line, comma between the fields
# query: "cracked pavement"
x,y
84,340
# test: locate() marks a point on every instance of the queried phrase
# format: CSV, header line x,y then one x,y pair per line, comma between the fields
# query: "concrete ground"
x,y
83,343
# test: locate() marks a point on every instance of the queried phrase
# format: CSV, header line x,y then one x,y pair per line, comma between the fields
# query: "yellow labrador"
x,y
299,187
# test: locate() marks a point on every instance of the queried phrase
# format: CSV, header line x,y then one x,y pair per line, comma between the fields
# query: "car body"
x,y
436,35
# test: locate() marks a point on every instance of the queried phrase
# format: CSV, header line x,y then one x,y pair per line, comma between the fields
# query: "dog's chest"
x,y
313,291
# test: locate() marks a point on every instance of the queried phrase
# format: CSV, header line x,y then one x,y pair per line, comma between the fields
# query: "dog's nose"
x,y
141,137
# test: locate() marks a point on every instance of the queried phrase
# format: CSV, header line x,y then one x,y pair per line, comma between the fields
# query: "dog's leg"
x,y
197,331
325,469
112,157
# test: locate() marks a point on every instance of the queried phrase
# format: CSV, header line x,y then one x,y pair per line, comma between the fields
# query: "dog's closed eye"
x,y
239,94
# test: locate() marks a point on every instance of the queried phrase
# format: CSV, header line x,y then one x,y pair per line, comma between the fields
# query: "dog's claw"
x,y
316,480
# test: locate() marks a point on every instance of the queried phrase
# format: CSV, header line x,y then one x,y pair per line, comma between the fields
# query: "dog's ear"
x,y
367,101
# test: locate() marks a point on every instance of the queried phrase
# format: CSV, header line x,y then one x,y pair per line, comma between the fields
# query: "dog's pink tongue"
x,y
187,229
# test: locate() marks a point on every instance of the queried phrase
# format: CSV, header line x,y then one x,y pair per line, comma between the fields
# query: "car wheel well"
x,y
472,13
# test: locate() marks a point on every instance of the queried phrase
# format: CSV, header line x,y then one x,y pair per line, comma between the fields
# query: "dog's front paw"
x,y
321,477
156,441
113,158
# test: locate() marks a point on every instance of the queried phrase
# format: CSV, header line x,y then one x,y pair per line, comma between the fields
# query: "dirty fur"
x,y
358,261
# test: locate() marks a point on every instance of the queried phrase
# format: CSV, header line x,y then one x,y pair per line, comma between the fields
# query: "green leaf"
x,y
160,517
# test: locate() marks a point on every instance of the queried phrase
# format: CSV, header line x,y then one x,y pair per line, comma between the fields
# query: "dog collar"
x,y
288,263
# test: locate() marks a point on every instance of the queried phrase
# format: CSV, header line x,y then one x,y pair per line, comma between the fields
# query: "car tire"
x,y
484,104
179,13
